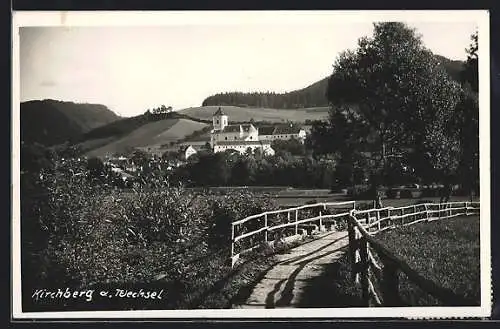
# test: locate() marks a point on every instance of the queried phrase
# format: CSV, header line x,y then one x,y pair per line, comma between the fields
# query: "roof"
x,y
241,142
231,129
287,129
266,130
183,148
280,129
247,127
237,128
219,112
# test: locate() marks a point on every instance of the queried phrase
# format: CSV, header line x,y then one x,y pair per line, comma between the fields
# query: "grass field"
x,y
258,114
446,252
153,135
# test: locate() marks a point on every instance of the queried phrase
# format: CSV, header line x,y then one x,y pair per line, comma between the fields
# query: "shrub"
x,y
81,232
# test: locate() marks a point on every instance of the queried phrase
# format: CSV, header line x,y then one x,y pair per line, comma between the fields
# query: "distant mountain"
x,y
51,122
313,95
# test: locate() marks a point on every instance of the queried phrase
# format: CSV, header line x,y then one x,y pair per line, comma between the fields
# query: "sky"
x,y
133,68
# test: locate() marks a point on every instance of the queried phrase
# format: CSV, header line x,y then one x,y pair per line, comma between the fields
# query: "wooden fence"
x,y
368,273
251,232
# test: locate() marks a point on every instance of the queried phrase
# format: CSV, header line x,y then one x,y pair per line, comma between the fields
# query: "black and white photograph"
x,y
241,164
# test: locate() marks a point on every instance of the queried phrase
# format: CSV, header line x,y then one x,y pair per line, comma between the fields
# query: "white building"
x,y
239,137
282,132
187,151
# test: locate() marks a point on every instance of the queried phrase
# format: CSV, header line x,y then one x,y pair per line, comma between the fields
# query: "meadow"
x,y
246,114
445,251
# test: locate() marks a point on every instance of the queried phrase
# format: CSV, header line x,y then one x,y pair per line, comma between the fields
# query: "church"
x,y
241,137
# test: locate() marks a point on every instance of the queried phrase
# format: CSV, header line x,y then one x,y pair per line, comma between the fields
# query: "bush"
x,y
83,233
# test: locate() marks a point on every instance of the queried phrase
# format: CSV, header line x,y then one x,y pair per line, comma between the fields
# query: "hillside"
x,y
153,136
52,122
313,95
245,114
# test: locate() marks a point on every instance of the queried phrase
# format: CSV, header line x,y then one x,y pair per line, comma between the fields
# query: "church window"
x,y
217,121
225,138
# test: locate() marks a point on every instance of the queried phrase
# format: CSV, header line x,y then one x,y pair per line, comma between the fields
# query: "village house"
x,y
187,151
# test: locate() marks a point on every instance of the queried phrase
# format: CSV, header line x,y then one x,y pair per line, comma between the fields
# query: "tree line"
x,y
313,96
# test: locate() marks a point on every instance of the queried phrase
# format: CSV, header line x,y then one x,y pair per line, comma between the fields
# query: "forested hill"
x,y
310,96
51,122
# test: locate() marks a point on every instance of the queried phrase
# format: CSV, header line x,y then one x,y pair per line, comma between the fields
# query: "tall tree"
x,y
470,74
467,118
397,91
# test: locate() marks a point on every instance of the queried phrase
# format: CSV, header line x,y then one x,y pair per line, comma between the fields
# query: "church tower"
x,y
219,120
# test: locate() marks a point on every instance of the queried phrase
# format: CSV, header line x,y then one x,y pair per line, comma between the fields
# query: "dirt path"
x,y
294,280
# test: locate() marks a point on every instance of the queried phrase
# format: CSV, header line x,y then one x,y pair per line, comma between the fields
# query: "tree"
x,y
397,94
470,73
95,167
294,146
467,119
36,157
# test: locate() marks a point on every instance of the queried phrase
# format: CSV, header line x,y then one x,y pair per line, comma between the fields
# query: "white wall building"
x,y
240,137
187,151
282,132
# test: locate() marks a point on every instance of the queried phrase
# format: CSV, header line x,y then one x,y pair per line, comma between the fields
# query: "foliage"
x,y
392,99
470,73
35,157
311,96
82,232
225,168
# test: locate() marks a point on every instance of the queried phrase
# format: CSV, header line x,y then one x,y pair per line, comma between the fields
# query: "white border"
x,y
103,18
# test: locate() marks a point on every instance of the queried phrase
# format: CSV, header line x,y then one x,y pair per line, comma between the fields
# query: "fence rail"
x,y
251,232
366,270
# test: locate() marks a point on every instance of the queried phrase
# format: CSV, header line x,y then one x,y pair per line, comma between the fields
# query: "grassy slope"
x,y
445,251
237,114
152,134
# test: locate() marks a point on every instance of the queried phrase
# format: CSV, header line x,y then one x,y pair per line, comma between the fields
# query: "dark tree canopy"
x,y
397,96
470,74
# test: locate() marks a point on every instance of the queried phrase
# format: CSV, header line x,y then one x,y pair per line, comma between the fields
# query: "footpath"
x,y
301,277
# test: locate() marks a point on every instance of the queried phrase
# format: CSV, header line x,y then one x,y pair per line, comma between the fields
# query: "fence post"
x,y
288,214
427,211
232,243
320,221
378,220
352,247
296,219
415,212
363,253
390,282
265,225
466,208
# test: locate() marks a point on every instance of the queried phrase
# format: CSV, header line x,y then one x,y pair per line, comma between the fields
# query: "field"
x,y
155,135
258,114
446,252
